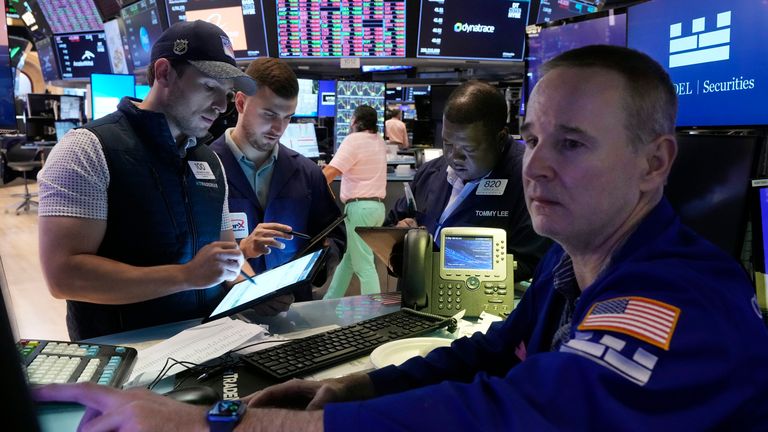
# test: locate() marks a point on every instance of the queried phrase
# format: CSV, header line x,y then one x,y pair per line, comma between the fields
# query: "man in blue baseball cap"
x,y
134,222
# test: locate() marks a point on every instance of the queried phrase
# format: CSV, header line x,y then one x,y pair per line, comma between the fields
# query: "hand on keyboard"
x,y
310,395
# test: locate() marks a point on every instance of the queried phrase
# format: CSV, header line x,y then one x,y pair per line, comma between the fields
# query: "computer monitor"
x,y
351,94
406,93
715,54
7,98
41,105
241,20
308,98
81,55
473,30
301,138
107,90
142,29
141,91
553,10
48,64
71,16
326,98
708,186
70,108
345,28
64,126
607,28
121,63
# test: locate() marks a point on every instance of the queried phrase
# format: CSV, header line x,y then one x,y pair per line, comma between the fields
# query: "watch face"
x,y
226,411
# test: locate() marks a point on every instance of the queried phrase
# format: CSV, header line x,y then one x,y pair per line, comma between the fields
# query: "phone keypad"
x,y
449,296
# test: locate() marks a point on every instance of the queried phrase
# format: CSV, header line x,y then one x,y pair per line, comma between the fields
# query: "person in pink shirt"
x,y
395,128
361,160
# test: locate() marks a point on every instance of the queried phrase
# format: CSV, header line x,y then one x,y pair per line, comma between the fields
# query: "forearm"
x,y
270,419
95,279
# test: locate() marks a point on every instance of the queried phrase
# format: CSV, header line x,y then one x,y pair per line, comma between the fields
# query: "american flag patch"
x,y
649,320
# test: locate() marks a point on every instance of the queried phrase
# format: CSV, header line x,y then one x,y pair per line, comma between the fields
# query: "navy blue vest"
x,y
159,213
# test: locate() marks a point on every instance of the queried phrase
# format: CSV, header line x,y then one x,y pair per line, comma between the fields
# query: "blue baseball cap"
x,y
206,47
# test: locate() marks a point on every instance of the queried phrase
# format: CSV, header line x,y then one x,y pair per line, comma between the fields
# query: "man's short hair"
x,y
366,118
475,101
276,75
179,65
650,101
393,112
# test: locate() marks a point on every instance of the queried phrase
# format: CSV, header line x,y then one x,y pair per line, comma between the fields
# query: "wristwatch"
x,y
225,415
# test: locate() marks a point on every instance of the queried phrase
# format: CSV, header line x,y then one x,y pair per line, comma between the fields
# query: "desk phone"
x,y
472,271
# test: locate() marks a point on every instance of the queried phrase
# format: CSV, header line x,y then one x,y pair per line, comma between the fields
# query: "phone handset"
x,y
416,278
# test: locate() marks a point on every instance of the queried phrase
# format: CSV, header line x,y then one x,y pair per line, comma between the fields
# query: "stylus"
x,y
250,279
300,235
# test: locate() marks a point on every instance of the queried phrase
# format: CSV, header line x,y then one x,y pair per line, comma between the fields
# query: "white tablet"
x,y
280,280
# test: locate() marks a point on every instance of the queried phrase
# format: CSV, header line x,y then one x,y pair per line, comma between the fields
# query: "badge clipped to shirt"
x,y
201,170
239,224
492,187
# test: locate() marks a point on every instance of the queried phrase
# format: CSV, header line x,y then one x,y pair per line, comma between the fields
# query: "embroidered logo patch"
x,y
649,320
180,46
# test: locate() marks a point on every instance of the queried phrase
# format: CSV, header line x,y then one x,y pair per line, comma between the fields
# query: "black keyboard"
x,y
47,362
302,356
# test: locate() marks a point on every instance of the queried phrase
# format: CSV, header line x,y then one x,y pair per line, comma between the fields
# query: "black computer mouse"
x,y
196,395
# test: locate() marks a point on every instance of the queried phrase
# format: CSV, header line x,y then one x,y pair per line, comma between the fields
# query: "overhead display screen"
x,y
715,53
81,55
553,10
142,29
476,30
241,20
120,64
71,16
48,65
346,28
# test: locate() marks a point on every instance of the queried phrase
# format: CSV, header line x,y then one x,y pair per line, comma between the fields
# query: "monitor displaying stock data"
x,y
142,28
83,54
71,16
346,28
351,94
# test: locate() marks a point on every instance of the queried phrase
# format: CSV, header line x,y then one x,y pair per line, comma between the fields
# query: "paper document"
x,y
197,345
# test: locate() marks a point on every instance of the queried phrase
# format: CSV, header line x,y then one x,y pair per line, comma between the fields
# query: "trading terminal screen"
x,y
307,100
553,10
476,30
241,20
351,94
142,29
470,253
81,55
346,28
71,16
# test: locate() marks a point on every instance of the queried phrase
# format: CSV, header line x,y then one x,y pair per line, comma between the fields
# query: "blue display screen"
x,y
715,53
554,40
107,90
764,222
468,253
142,90
326,98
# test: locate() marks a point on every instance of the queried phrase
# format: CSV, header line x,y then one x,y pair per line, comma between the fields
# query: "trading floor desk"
x,y
301,316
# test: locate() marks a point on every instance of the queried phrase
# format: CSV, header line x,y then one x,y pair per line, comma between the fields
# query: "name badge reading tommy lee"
x,y
492,187
201,170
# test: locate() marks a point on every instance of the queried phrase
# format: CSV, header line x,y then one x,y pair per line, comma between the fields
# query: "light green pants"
x,y
359,257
